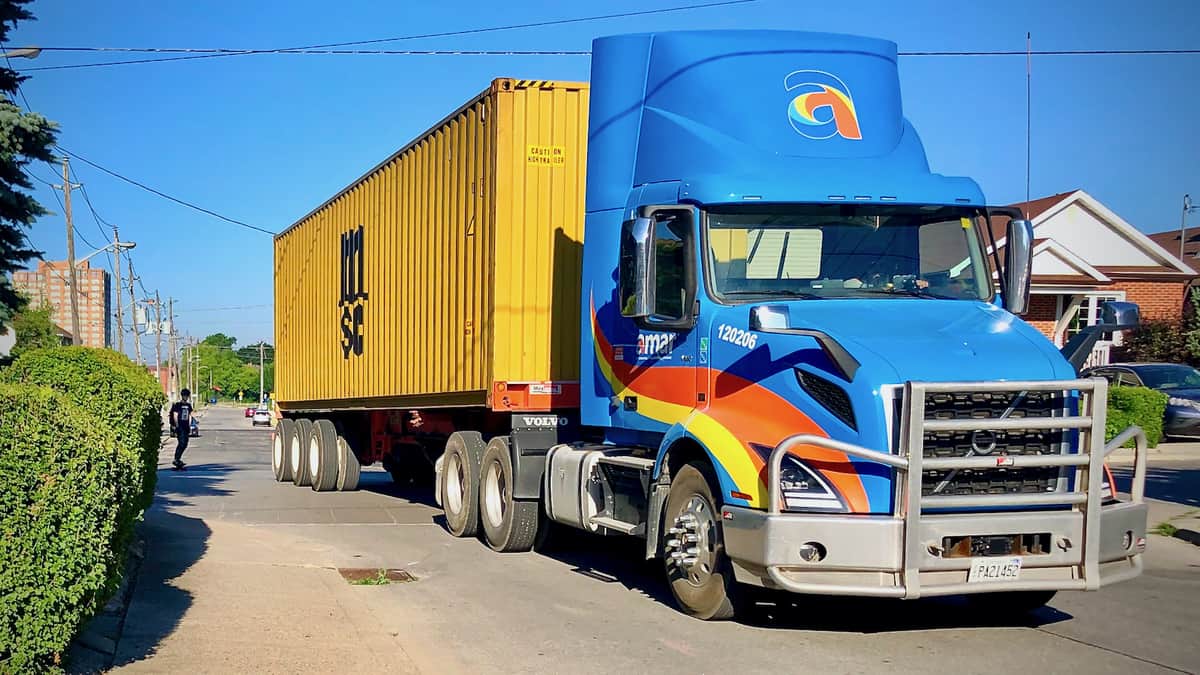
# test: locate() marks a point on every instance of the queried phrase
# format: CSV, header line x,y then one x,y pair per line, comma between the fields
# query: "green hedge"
x,y
1129,406
112,387
79,436
60,484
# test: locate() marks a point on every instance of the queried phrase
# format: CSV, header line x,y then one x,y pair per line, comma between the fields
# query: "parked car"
x,y
261,416
250,411
1180,383
195,428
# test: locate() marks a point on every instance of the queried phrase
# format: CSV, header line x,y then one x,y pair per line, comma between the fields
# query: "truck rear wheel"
x,y
348,468
323,456
460,482
698,571
281,450
299,452
509,525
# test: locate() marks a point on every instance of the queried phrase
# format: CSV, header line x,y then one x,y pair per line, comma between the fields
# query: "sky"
x,y
265,138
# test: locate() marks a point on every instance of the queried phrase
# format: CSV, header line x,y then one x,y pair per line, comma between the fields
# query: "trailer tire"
x,y
460,482
323,456
300,475
348,468
509,525
281,451
705,588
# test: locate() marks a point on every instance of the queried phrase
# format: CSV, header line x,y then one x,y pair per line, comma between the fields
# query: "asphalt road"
x,y
592,606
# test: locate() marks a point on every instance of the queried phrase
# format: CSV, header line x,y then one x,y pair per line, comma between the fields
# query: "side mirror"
x,y
637,268
1018,265
1120,315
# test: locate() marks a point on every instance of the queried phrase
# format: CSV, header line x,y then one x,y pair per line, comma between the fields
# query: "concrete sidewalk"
x,y
214,596
1174,451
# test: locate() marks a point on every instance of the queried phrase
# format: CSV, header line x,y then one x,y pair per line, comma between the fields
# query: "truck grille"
x,y
993,405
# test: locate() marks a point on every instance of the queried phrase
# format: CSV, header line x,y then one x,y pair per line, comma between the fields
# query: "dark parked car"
x,y
195,428
1180,383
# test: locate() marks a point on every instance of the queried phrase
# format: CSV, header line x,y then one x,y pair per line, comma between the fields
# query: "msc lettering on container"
x,y
353,294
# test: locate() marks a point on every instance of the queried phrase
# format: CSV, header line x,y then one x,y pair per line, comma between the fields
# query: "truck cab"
x,y
802,346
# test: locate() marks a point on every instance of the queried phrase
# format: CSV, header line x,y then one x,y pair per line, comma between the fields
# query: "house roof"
x,y
1170,241
1166,267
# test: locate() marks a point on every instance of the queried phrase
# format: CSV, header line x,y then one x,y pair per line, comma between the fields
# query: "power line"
x,y
332,52
215,53
514,52
164,195
229,308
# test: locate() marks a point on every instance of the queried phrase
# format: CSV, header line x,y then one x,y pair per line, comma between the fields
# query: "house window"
x,y
1089,314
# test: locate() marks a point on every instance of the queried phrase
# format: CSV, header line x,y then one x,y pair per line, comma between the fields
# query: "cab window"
x,y
672,237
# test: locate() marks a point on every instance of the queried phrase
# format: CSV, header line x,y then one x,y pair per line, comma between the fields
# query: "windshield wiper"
x,y
906,292
776,291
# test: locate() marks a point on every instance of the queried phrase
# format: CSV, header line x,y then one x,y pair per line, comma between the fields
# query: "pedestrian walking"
x,y
181,420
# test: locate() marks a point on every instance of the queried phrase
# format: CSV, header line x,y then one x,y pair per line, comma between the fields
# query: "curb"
x,y
94,649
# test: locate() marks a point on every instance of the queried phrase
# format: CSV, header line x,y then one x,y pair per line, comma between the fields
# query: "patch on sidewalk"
x,y
374,576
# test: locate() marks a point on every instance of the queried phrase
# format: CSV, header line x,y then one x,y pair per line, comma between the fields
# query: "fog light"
x,y
812,552
1127,540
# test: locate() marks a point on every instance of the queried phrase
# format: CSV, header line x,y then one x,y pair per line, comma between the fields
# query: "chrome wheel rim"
x,y
277,453
314,455
295,453
495,494
691,542
455,484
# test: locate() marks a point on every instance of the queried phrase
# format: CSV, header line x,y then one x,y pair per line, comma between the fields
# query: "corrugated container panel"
x,y
470,259
539,231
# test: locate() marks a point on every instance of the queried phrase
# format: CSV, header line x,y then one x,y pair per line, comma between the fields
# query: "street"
x,y
241,575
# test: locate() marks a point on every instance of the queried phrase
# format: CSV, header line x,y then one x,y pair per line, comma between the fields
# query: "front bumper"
x,y
1091,544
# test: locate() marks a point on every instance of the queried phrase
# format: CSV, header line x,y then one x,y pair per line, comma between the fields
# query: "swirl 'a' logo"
x,y
822,106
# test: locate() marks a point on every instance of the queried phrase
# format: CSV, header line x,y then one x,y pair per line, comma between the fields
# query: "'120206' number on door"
x,y
736,336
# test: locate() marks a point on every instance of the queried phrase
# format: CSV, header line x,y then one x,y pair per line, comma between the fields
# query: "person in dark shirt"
x,y
181,420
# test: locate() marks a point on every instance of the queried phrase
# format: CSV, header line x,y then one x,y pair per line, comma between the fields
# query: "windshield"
x,y
1169,377
846,250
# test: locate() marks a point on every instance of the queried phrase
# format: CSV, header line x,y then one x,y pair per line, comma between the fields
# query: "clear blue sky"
x,y
265,138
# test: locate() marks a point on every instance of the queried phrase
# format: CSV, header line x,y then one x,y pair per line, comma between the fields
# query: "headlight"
x,y
1184,402
804,489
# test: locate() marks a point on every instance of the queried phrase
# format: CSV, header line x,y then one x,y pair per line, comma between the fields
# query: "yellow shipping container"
x,y
449,271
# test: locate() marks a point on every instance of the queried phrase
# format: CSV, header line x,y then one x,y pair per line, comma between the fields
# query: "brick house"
x,y
1085,255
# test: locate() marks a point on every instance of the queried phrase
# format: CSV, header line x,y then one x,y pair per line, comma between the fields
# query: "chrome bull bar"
x,y
910,463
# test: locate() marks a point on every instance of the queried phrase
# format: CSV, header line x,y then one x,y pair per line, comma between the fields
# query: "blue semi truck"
x,y
801,362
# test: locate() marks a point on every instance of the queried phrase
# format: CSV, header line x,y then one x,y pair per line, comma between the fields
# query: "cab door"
x,y
661,370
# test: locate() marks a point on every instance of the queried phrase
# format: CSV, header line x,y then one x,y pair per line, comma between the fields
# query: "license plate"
x,y
994,569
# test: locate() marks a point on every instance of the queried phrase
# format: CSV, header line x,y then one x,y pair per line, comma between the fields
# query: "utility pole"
x,y
76,338
261,398
172,372
1187,206
117,274
137,338
158,340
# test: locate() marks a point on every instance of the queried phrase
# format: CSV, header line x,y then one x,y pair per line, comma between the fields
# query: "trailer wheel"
x,y
300,474
281,451
348,468
509,525
323,456
460,482
698,571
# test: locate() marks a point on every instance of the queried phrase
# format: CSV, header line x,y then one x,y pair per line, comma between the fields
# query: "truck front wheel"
x,y
460,482
698,571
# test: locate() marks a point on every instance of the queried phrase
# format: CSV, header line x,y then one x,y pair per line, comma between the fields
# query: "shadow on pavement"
x,y
199,480
173,544
381,483
1179,485
620,560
